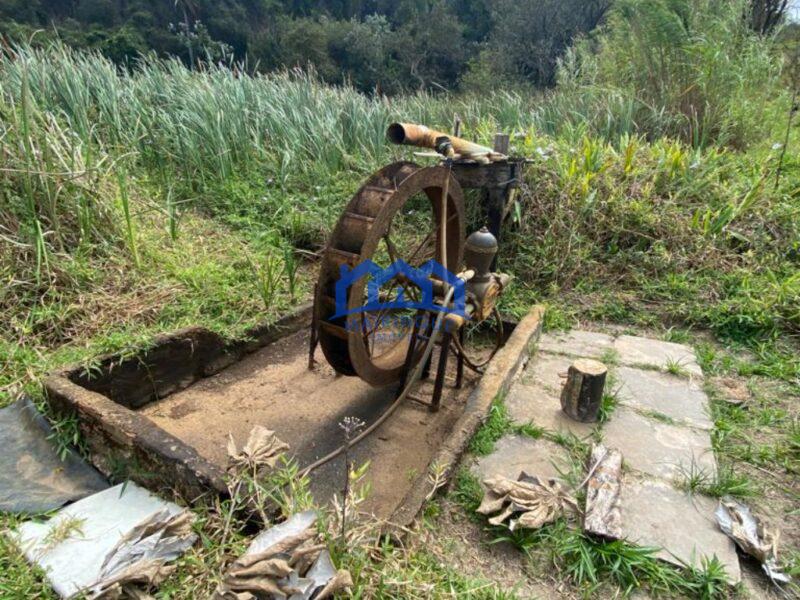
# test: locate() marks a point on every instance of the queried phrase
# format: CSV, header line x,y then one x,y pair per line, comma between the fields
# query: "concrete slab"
x,y
515,453
659,449
538,405
588,344
634,350
546,370
657,515
678,398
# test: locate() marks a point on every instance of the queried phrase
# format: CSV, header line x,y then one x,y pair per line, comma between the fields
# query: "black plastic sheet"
x,y
33,478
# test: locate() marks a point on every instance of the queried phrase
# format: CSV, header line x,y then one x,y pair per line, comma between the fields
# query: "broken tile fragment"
x,y
121,534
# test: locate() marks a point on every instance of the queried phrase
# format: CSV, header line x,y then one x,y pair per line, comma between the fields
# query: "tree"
x,y
431,48
530,36
766,15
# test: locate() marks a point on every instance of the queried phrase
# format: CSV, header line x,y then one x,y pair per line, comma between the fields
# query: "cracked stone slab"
x,y
585,344
635,350
515,453
683,526
657,448
678,398
534,403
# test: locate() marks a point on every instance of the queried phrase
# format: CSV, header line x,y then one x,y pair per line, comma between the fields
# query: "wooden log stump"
x,y
582,393
602,515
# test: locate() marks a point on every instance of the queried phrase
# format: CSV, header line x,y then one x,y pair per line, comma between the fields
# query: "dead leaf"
x,y
751,535
537,502
263,449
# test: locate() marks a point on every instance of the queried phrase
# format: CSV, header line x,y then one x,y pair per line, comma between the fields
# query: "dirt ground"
x,y
463,544
274,388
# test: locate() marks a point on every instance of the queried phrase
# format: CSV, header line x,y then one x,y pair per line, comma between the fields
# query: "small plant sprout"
x,y
267,276
693,478
351,426
62,530
609,357
437,477
130,230
290,267
674,367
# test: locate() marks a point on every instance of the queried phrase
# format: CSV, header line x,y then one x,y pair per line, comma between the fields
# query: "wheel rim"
x,y
364,227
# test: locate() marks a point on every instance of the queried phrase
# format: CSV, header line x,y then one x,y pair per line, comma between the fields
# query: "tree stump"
x,y
582,393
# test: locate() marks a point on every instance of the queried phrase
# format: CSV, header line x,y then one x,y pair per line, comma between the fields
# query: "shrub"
x,y
685,68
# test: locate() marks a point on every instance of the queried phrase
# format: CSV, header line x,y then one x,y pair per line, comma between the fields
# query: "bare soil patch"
x,y
274,388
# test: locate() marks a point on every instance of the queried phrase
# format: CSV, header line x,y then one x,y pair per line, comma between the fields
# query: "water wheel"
x,y
395,215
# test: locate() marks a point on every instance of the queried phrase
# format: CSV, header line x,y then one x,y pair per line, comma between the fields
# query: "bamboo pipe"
x,y
410,134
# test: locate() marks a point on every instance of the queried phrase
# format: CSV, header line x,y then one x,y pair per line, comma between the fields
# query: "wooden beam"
x,y
602,515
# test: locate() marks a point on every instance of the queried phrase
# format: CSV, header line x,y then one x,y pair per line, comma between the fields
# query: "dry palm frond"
x,y
534,502
263,449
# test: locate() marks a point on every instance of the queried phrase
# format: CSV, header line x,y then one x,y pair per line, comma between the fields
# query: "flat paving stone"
x,y
657,515
657,448
676,397
587,344
515,453
635,350
534,403
546,370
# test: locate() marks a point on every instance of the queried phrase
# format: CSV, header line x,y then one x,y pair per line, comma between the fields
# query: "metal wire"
x,y
458,349
415,375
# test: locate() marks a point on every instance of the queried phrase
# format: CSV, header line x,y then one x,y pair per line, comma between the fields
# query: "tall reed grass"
x,y
90,149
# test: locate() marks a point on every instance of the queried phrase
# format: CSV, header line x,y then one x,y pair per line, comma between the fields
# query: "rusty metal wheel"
x,y
395,215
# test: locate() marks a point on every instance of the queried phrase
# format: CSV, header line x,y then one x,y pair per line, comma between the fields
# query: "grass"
x,y
588,563
725,482
675,367
496,426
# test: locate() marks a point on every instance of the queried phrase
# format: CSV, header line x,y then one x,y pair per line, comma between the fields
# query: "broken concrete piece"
x,y
33,478
514,454
535,502
750,534
602,514
657,448
675,397
633,350
655,514
533,403
121,535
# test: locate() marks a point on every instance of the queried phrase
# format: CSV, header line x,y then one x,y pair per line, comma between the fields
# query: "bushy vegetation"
x,y
377,46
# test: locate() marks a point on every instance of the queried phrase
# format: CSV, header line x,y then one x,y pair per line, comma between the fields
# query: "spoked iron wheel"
x,y
395,215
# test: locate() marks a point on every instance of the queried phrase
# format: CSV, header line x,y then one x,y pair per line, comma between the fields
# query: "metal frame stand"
x,y
414,342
